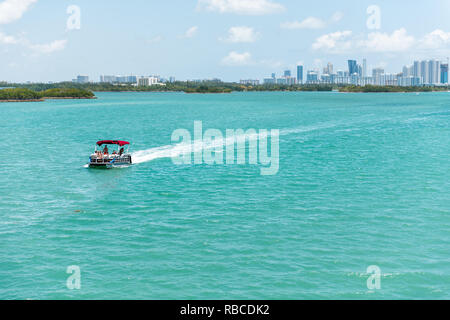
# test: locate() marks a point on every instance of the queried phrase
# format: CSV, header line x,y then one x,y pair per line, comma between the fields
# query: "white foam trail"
x,y
176,150
157,153
170,151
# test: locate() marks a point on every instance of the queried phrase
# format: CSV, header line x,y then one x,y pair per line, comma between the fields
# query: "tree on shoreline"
x,y
25,94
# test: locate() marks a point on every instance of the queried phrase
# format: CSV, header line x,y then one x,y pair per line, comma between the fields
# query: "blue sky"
x,y
227,39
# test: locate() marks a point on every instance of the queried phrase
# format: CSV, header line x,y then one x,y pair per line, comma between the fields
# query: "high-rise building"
x,y
444,73
328,69
269,80
121,79
434,72
299,74
249,82
118,79
424,72
377,72
147,81
417,72
82,79
108,79
428,71
405,71
291,81
281,81
408,71
132,79
352,67
287,73
312,77
409,81
364,68
437,72
377,75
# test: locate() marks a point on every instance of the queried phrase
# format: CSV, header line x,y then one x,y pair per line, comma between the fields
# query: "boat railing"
x,y
108,158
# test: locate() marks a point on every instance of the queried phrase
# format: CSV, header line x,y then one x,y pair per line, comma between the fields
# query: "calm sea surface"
x,y
364,180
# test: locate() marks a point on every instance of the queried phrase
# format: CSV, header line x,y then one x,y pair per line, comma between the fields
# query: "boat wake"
x,y
158,153
176,150
170,151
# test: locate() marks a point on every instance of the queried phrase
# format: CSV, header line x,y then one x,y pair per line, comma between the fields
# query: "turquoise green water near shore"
x,y
364,180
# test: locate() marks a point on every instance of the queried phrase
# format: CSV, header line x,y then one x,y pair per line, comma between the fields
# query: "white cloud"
x,y
345,42
237,59
45,48
155,39
398,41
438,39
313,22
244,7
6,39
51,47
241,35
334,42
12,10
337,16
308,23
191,32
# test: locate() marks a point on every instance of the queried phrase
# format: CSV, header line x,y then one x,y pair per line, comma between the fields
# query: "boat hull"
x,y
110,162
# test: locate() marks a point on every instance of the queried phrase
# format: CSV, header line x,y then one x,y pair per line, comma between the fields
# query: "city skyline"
x,y
203,39
425,72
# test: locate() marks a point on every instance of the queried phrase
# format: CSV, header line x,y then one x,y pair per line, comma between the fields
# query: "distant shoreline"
x,y
69,98
30,100
27,95
48,98
69,89
265,91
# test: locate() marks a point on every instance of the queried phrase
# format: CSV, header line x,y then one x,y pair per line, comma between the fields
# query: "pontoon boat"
x,y
104,157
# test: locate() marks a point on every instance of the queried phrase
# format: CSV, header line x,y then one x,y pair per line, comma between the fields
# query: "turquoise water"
x,y
364,180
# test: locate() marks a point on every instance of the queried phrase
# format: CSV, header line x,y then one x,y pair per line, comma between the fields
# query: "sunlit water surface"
x,y
364,180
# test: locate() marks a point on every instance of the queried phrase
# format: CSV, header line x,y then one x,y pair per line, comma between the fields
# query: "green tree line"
x,y
22,94
19,94
71,89
180,86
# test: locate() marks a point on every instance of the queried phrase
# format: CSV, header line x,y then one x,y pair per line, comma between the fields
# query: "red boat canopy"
x,y
117,142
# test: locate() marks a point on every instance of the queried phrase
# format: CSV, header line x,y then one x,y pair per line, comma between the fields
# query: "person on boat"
x,y
105,150
121,152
